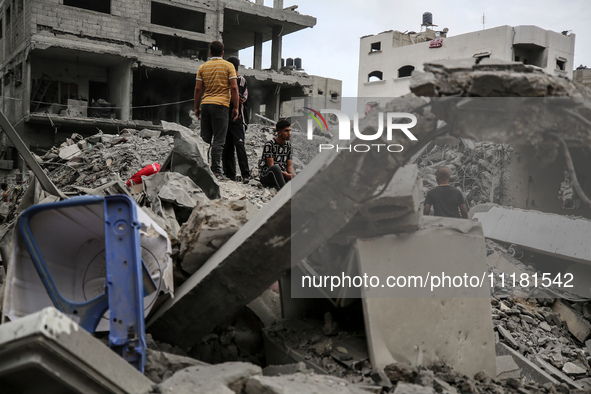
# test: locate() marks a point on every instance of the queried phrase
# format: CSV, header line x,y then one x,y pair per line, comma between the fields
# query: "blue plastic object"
x,y
123,295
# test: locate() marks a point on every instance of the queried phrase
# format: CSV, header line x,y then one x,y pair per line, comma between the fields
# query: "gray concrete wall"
x,y
429,327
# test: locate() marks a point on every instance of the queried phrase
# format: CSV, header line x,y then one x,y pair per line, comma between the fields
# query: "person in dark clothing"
x,y
275,165
237,132
446,200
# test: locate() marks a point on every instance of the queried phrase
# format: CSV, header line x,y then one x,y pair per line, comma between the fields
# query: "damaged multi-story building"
x,y
70,64
387,59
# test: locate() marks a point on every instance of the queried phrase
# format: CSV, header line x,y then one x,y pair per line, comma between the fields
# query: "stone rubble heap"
x,y
545,337
477,169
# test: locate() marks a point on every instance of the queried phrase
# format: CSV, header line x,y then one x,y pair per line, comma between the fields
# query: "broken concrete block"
x,y
287,369
545,326
399,198
359,227
224,378
300,383
409,388
169,192
546,233
556,373
147,133
267,307
210,225
161,365
48,352
574,369
401,328
69,152
507,368
528,369
577,324
423,84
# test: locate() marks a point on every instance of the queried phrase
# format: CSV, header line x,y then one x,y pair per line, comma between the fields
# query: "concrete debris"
x,y
478,172
227,378
577,325
299,383
232,260
507,368
161,365
210,225
172,196
489,78
189,157
286,369
408,388
48,352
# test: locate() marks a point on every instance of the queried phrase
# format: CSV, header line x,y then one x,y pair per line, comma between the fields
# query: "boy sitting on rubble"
x,y
275,165
447,201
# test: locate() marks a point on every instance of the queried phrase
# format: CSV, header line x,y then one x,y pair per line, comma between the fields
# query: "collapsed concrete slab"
x,y
302,216
420,325
578,326
47,352
555,235
527,369
300,383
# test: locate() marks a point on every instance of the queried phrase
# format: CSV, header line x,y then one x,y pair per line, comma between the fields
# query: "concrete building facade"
x,y
63,61
386,60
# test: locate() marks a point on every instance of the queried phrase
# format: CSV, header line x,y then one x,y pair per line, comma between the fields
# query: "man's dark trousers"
x,y
214,126
235,141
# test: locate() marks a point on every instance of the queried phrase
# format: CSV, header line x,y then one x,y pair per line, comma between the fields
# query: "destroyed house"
x,y
113,64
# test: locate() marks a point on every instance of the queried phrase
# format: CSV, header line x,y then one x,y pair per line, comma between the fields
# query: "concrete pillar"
x,y
273,104
260,2
276,45
278,4
258,51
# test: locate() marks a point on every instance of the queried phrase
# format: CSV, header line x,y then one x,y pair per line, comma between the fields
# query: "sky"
x,y
331,48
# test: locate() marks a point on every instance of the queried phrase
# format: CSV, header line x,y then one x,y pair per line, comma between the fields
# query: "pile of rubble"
x,y
478,168
539,342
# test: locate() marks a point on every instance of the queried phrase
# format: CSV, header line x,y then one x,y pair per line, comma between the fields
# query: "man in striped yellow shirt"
x,y
216,82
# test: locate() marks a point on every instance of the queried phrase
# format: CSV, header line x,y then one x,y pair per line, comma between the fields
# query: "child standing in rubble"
x,y
447,201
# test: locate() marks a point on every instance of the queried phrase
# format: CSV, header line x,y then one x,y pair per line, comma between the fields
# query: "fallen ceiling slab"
x,y
547,233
